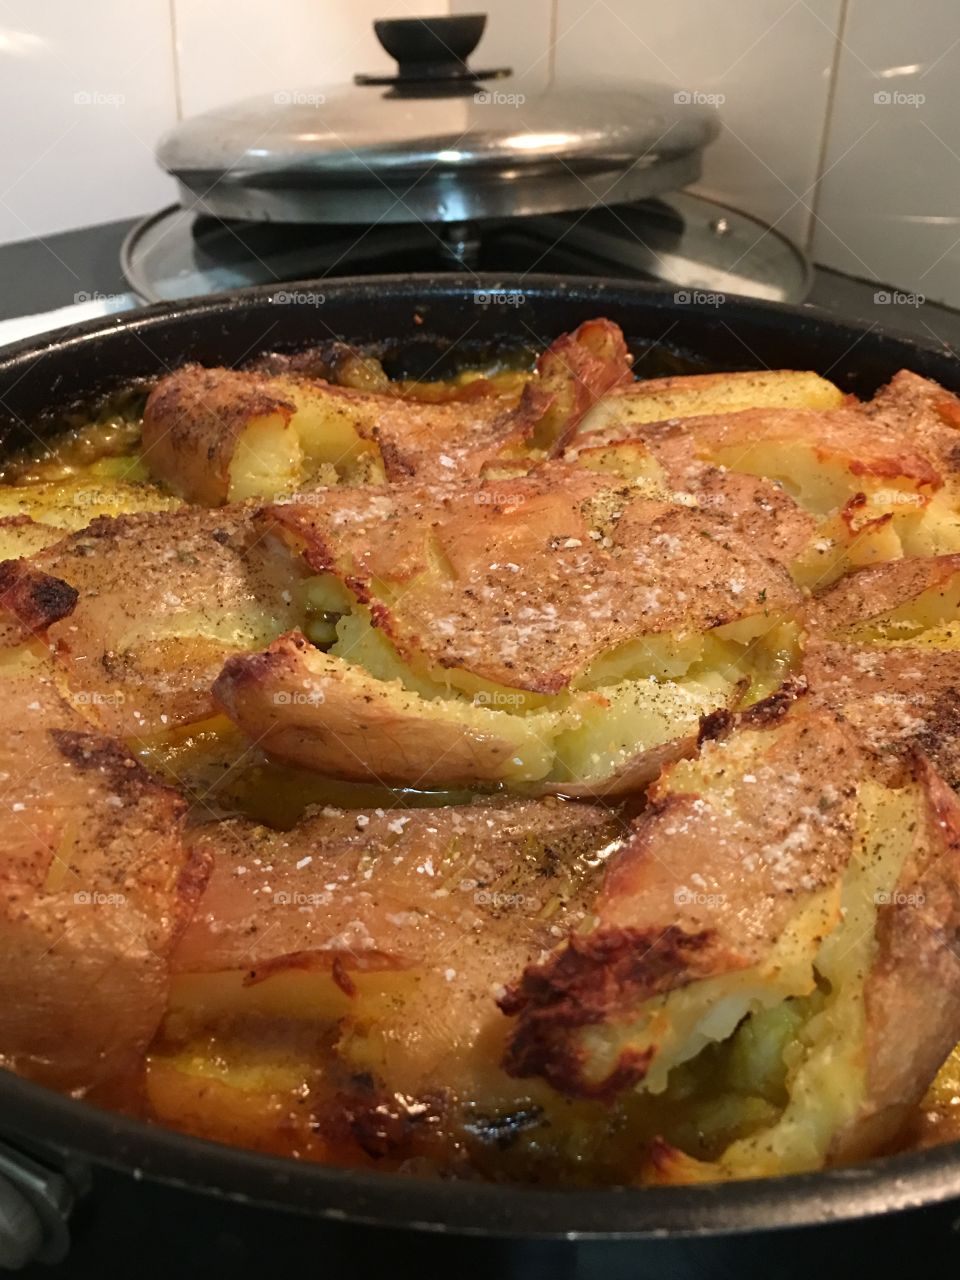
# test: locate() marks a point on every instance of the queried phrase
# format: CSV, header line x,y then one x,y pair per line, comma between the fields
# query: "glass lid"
x,y
437,141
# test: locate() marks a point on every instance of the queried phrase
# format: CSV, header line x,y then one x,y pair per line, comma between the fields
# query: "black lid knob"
x,y
431,48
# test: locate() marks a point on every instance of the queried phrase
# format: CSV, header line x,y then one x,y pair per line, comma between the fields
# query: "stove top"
x,y
77,275
679,239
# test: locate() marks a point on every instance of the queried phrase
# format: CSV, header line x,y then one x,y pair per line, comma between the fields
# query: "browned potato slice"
x,y
574,373
52,506
823,458
770,919
22,536
94,888
905,1041
461,654
216,435
479,579
163,599
715,908
222,435
925,412
883,649
688,396
388,933
866,1049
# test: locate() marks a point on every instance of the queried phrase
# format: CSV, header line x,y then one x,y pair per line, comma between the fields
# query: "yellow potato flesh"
x,y
658,400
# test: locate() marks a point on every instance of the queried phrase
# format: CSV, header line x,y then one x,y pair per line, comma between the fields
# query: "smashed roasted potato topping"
x,y
539,774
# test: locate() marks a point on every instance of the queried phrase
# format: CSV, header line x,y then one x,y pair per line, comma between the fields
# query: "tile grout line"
x,y
828,121
175,51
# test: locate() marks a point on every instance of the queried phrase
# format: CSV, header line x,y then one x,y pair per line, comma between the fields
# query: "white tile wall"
x,y
88,86
519,34
85,89
889,206
230,49
768,60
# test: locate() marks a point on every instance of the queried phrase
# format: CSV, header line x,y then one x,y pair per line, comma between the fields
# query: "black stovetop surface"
x,y
42,274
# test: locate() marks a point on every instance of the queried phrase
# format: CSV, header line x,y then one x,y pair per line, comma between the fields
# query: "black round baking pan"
x,y
421,324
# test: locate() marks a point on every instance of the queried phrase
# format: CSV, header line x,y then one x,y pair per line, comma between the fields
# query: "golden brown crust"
x,y
478,578
909,1029
162,599
193,420
733,849
95,886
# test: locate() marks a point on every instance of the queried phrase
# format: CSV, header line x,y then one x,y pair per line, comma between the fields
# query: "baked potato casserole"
x,y
542,774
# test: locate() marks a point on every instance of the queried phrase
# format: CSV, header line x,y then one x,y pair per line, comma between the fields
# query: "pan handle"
x,y
35,1207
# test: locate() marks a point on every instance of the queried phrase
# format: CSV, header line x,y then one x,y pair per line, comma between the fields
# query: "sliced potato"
x,y
477,579
95,885
316,711
866,1049
454,653
883,649
387,935
74,502
21,536
162,599
714,909
688,396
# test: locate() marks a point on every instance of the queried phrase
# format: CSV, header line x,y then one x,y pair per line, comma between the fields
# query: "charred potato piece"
x,y
30,602
770,918
715,908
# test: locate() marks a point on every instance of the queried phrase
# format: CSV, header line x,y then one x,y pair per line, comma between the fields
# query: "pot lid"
x,y
438,141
